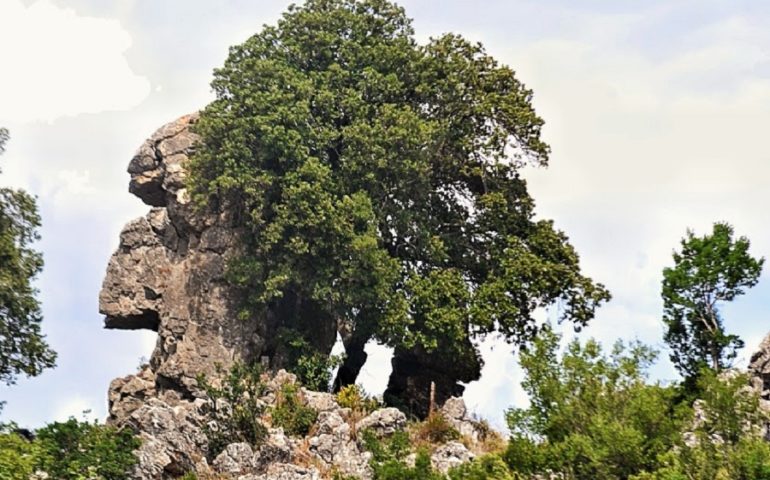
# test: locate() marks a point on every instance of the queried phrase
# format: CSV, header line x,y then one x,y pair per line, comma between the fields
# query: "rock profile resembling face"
x,y
167,275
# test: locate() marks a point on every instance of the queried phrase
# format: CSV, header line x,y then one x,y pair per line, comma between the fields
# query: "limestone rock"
x,y
759,366
450,455
172,441
167,275
278,448
320,401
236,458
286,471
383,422
334,445
456,413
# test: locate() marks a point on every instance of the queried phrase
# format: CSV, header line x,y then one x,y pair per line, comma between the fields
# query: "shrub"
x,y
488,467
291,413
312,368
592,415
398,470
355,398
18,456
235,412
388,458
435,429
727,442
71,450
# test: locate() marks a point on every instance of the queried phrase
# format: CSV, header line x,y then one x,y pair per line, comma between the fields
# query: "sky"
x,y
656,113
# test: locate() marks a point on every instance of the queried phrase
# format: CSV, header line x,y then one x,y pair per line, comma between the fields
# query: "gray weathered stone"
x,y
449,455
456,413
236,458
383,422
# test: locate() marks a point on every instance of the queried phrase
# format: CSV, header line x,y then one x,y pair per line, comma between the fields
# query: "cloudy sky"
x,y
657,114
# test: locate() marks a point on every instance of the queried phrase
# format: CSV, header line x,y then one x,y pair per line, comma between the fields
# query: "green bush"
x,y
355,398
18,456
291,413
388,458
312,368
728,443
71,450
235,413
592,415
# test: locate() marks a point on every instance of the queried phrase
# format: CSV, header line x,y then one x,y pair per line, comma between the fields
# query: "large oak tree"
x,y
380,183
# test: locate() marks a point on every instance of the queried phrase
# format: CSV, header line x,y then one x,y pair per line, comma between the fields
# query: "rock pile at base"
x,y
173,442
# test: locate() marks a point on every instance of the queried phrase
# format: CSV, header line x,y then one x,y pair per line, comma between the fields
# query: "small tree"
x,y
707,271
23,349
592,415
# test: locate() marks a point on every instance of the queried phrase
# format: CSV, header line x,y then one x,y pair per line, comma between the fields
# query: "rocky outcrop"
x,y
759,369
172,437
168,275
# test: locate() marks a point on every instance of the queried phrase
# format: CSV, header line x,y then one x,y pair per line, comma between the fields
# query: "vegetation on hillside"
x,y
71,450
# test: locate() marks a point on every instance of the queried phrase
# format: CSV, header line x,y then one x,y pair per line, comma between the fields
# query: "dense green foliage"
x,y
592,416
312,368
726,442
379,180
23,349
235,413
291,413
388,458
71,450
708,270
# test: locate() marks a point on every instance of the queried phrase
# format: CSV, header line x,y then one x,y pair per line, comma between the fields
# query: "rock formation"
x,y
168,275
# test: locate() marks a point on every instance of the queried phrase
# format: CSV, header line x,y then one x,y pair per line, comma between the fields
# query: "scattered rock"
x,y
456,413
286,471
450,455
383,422
236,458
320,401
334,445
278,448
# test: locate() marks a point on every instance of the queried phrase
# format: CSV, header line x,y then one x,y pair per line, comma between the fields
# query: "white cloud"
x,y
56,63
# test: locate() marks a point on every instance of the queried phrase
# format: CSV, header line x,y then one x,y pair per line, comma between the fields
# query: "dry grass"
x,y
431,432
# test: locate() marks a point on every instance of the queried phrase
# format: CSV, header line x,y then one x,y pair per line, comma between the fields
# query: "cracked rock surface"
x,y
167,275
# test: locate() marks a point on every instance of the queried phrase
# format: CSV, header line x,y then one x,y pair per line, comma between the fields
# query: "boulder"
x,y
449,455
383,422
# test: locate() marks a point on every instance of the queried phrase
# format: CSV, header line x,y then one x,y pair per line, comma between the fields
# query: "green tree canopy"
x,y
592,415
380,182
22,346
707,272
